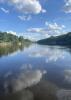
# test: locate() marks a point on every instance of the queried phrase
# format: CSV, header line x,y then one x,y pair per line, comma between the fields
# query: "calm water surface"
x,y
35,72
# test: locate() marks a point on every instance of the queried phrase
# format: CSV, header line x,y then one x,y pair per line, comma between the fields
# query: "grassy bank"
x,y
4,44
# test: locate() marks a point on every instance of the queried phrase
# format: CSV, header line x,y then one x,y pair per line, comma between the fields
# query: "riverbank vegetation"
x,y
7,39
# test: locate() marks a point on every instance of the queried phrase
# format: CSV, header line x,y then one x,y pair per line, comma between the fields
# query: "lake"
x,y
35,72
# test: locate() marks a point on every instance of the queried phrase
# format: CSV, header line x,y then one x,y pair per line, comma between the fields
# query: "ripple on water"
x,y
64,94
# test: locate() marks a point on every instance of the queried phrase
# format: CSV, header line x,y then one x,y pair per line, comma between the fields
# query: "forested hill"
x,y
8,37
64,39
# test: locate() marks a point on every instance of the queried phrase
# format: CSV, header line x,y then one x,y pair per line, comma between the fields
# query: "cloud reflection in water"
x,y
67,75
23,80
64,94
51,53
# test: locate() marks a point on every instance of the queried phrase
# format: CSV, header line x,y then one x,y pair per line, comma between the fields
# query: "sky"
x,y
35,19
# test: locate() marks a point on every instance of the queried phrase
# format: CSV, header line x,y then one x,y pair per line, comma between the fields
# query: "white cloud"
x,y
34,36
12,32
35,30
23,18
26,6
50,29
5,10
54,28
37,33
44,11
46,23
67,7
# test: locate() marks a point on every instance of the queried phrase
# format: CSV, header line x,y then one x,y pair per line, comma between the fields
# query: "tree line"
x,y
8,37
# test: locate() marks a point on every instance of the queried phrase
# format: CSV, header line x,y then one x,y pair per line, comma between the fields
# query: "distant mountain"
x,y
64,39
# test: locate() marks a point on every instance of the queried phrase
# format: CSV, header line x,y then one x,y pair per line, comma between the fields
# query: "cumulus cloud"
x,y
23,18
5,10
35,30
67,7
44,11
36,33
42,31
26,6
31,37
54,28
46,23
50,29
12,32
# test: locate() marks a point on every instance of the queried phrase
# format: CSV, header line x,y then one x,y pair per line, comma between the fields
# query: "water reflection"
x,y
22,80
64,94
35,73
15,86
67,75
22,95
51,53
45,90
7,50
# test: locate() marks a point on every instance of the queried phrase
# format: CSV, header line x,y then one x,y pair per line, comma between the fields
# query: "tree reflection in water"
x,y
7,50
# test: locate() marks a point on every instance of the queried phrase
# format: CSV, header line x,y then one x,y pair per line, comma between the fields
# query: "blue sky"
x,y
35,19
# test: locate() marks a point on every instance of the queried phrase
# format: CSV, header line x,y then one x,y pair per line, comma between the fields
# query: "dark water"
x,y
35,72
